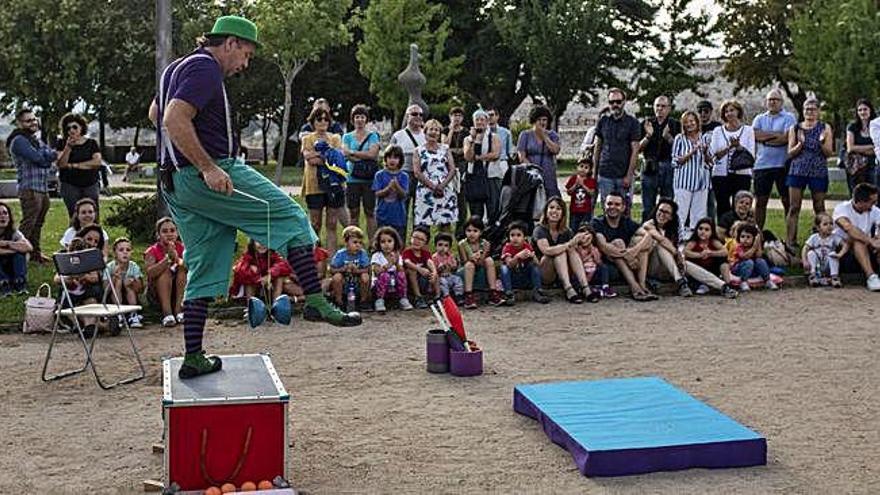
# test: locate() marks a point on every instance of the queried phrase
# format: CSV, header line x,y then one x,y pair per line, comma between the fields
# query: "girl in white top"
x,y
388,273
726,140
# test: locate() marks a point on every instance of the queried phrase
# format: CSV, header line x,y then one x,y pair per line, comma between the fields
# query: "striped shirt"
x,y
694,174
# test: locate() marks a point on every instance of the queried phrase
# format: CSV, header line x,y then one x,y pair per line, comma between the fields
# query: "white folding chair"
x,y
79,263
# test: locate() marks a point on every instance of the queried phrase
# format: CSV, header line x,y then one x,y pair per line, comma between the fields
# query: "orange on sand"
x,y
248,486
265,485
227,488
213,491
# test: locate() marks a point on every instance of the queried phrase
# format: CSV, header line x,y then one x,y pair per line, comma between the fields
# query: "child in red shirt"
x,y
581,187
420,270
519,265
255,269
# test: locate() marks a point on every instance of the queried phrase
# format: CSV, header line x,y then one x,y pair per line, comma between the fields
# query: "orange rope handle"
x,y
241,458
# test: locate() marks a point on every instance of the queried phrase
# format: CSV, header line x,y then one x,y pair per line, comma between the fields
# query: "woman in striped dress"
x,y
692,179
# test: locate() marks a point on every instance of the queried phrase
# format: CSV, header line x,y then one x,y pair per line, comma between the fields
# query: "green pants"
x,y
208,223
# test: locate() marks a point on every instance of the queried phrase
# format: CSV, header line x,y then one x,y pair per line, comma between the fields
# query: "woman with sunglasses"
x,y
319,201
79,162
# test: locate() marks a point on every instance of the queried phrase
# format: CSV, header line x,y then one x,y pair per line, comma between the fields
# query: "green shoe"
x,y
199,364
317,308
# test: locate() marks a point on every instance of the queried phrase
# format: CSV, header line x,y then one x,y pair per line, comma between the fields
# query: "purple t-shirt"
x,y
199,82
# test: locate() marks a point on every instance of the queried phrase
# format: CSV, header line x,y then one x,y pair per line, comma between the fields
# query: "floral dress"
x,y
811,161
429,209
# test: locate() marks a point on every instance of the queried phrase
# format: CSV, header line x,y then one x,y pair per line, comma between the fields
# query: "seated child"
x,y
747,261
389,276
706,250
257,268
420,270
126,277
166,272
519,266
447,264
822,252
588,251
350,271
474,252
580,187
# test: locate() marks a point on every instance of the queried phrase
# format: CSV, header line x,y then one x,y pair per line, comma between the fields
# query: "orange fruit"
x,y
248,486
265,485
227,488
213,490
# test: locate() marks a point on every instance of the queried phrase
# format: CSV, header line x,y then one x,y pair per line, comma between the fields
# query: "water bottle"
x,y
392,284
352,293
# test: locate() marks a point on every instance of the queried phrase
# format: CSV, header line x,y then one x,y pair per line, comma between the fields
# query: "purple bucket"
x,y
464,363
437,351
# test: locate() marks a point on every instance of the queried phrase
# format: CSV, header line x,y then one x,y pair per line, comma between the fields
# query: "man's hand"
x,y
627,180
667,133
218,180
649,129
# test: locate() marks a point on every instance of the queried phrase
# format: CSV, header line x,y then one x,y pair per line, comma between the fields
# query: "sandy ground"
x,y
367,418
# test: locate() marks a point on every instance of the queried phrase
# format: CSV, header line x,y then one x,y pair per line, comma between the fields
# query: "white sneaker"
x,y
135,321
873,283
180,318
744,286
169,321
405,304
702,290
771,285
379,305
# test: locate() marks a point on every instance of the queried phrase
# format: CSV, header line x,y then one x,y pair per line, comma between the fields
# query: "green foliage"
x,y
668,68
572,47
757,41
137,215
836,44
295,32
389,27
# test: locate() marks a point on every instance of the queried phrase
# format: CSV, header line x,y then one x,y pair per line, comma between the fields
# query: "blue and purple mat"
x,y
637,425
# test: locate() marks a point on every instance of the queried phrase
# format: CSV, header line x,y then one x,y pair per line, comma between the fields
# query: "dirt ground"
x,y
800,367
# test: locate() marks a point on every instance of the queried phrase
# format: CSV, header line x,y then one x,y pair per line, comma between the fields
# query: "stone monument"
x,y
413,80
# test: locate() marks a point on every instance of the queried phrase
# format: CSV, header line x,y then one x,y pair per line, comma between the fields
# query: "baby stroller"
x,y
522,199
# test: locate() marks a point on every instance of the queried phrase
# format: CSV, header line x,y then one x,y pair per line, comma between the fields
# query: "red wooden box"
x,y
226,427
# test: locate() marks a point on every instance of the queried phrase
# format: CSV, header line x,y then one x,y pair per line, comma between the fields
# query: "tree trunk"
x,y
267,123
102,135
137,135
282,148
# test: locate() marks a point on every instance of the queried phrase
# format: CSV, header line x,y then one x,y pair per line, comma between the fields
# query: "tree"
x,y
389,27
757,41
572,47
492,71
257,94
295,32
835,45
668,68
47,61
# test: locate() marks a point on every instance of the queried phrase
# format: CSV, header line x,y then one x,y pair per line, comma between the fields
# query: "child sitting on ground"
x,y
747,261
447,265
351,265
420,270
706,250
126,277
580,187
389,276
588,251
822,252
474,252
259,270
519,265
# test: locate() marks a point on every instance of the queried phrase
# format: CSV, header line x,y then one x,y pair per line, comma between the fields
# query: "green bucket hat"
x,y
233,25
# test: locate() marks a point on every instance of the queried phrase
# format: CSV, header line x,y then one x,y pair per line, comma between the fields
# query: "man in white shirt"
x,y
857,222
132,163
409,138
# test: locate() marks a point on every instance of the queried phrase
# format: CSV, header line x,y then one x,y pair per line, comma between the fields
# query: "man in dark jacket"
x,y
33,163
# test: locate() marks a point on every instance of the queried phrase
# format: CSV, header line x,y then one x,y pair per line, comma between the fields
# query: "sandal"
x,y
572,296
640,296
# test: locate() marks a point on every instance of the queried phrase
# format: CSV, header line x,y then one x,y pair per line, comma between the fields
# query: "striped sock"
x,y
302,260
195,312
